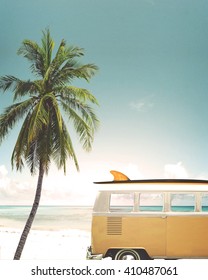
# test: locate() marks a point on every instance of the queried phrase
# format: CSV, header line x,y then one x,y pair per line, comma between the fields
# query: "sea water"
x,y
47,217
55,218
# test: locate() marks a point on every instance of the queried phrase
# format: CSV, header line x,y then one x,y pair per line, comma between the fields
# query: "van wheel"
x,y
127,254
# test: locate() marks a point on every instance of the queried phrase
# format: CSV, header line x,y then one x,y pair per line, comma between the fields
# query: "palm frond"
x,y
31,157
72,92
21,146
85,124
31,51
86,71
72,70
56,108
65,55
13,114
73,51
45,126
47,47
83,109
63,147
69,146
8,82
54,66
39,118
19,87
23,88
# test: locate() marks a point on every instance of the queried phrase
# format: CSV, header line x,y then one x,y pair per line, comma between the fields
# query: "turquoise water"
x,y
47,217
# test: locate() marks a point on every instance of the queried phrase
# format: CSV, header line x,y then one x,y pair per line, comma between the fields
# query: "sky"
x,y
152,89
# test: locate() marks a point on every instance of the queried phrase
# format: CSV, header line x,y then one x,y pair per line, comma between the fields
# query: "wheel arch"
x,y
143,254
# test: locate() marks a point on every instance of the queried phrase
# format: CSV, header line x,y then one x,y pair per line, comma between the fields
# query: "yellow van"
x,y
150,219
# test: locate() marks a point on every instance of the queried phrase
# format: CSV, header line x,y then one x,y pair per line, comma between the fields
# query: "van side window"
x,y
204,202
151,202
182,202
121,202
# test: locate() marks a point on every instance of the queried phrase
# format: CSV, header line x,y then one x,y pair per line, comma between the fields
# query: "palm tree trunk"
x,y
31,217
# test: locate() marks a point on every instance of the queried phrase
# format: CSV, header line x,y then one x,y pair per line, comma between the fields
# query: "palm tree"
x,y
44,105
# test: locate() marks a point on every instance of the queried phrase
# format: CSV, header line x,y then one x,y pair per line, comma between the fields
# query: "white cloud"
x,y
12,191
142,105
175,171
72,189
3,171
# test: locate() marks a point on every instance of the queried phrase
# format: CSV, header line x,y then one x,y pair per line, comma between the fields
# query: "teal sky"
x,y
152,85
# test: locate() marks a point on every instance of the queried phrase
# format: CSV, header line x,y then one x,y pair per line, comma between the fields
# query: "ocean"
x,y
52,218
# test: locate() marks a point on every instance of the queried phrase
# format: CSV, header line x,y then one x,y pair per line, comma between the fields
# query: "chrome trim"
x,y
90,256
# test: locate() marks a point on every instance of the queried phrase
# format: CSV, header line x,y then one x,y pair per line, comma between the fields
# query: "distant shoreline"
x,y
47,217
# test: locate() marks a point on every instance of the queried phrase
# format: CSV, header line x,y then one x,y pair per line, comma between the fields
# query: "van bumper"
x,y
90,256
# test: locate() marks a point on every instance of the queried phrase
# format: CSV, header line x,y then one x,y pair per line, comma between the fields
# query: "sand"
x,y
45,245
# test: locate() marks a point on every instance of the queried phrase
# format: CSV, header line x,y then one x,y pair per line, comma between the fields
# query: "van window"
x,y
182,202
204,202
121,202
151,202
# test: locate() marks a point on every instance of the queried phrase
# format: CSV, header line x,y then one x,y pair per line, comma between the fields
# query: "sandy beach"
x,y
45,245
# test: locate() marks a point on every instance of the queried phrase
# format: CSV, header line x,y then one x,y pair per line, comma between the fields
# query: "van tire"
x,y
127,254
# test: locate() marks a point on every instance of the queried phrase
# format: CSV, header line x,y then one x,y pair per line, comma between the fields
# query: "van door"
x,y
187,230
151,224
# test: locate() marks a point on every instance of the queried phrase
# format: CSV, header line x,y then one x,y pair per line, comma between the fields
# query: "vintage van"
x,y
150,219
